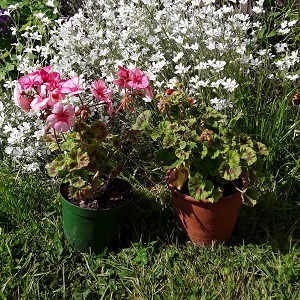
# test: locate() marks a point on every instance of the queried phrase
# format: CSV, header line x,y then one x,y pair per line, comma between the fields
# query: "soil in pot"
x,y
113,193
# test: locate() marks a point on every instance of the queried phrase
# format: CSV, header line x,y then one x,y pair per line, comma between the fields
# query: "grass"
x,y
152,259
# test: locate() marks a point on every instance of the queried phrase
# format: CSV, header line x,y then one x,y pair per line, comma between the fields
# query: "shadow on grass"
x,y
5,221
275,221
152,218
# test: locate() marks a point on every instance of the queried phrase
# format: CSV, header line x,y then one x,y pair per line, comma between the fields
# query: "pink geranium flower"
x,y
123,79
137,79
102,93
55,95
72,86
62,118
27,82
99,90
40,101
149,91
22,100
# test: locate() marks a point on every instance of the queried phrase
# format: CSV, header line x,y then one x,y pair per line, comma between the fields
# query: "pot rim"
x,y
193,200
96,210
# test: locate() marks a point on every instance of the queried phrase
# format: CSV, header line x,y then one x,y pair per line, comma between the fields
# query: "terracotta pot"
x,y
205,222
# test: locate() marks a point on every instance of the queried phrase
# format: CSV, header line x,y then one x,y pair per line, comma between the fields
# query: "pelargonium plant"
x,y
87,151
206,151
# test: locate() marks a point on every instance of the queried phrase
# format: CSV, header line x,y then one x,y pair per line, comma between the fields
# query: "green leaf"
x,y
232,158
7,53
169,141
10,66
248,154
204,152
182,154
165,157
78,183
216,195
250,197
161,130
100,130
142,120
229,172
245,140
68,145
234,120
25,26
182,145
199,188
261,149
77,160
56,165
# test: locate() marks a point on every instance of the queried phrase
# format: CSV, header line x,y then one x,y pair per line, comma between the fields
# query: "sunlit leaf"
x,y
199,188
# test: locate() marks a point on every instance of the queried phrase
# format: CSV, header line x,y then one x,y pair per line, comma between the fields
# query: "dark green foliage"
x,y
21,18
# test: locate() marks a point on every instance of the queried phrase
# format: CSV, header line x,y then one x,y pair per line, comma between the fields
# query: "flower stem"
x,y
57,142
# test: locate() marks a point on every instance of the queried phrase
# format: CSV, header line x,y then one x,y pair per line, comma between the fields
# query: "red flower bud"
x,y
170,91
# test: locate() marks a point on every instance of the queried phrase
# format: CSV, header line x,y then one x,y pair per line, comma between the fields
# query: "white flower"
x,y
292,23
292,77
229,84
217,65
280,47
257,9
201,66
173,82
284,31
178,57
220,104
50,3
181,69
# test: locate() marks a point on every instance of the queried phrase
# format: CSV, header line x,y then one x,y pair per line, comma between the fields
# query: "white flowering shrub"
x,y
22,138
214,50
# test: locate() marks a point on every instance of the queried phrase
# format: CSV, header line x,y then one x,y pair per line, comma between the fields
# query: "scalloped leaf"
x,y
160,130
178,177
233,158
81,193
56,165
248,154
166,158
199,188
246,140
216,195
261,149
77,160
142,120
169,141
181,154
229,172
68,145
250,197
100,130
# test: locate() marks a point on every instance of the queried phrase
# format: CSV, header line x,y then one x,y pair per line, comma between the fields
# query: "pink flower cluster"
x,y
44,90
134,79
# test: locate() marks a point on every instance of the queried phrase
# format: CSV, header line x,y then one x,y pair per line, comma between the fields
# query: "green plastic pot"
x,y
91,231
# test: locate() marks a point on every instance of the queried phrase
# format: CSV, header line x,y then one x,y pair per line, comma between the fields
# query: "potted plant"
x,y
210,164
89,155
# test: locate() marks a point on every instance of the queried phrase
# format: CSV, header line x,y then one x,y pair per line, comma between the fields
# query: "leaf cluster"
x,y
205,149
90,153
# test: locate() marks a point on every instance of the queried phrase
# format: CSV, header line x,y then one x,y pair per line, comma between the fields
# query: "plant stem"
x,y
57,142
